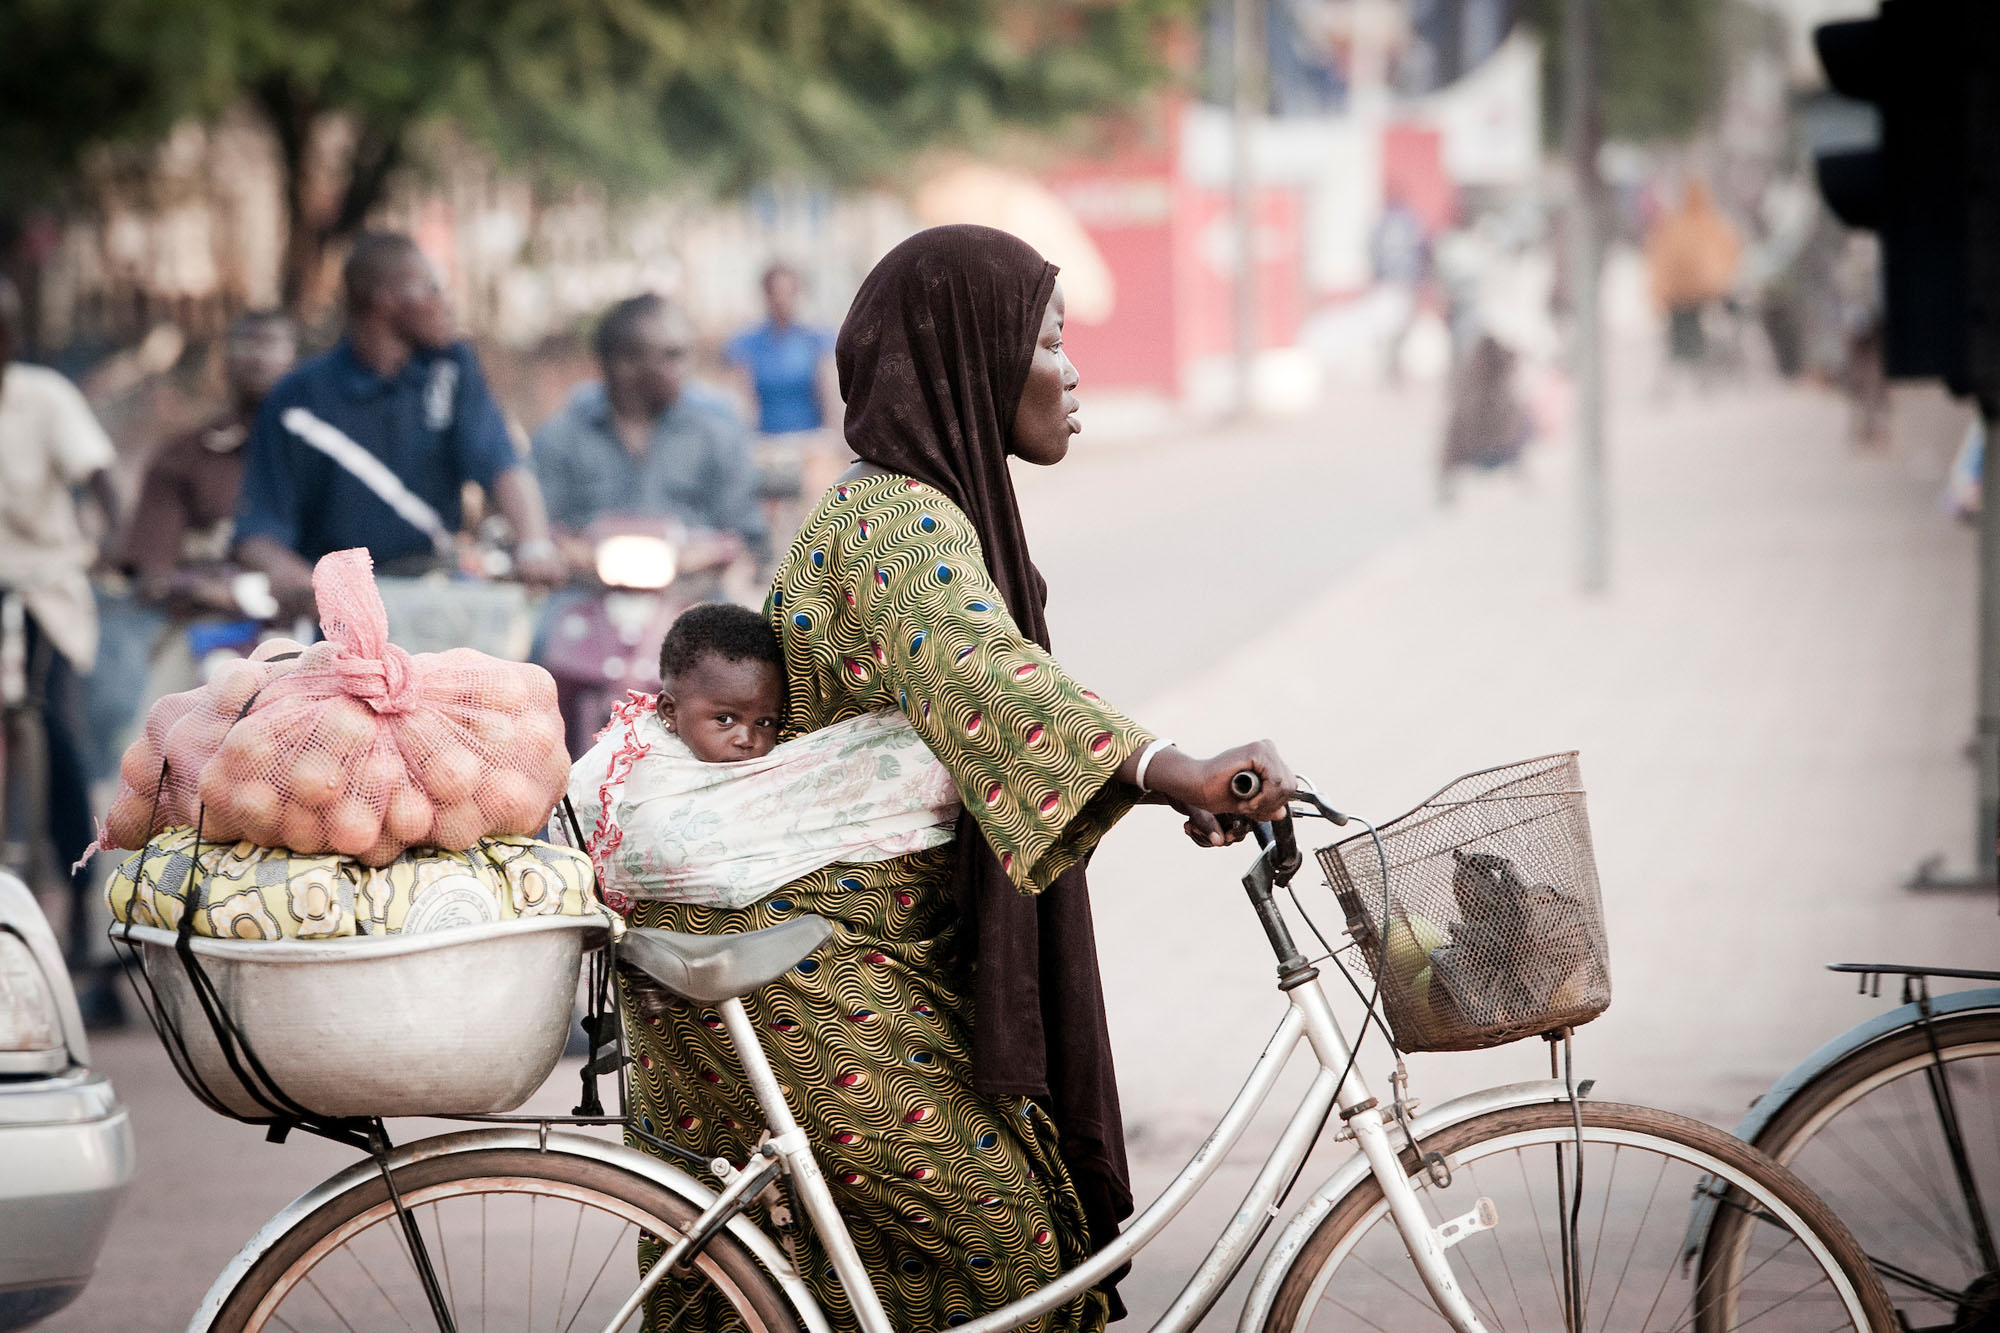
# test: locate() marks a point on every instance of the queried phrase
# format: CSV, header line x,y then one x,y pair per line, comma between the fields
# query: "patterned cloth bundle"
x,y
247,892
663,825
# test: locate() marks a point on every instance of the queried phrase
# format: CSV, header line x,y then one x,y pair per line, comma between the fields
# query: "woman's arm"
x,y
1199,788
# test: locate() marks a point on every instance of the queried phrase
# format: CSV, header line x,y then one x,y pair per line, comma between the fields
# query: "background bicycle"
x,y
1896,1124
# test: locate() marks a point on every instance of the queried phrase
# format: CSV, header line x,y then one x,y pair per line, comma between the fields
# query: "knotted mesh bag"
x,y
355,746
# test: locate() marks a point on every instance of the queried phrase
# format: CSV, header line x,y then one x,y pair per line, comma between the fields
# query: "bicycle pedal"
x,y
1483,1217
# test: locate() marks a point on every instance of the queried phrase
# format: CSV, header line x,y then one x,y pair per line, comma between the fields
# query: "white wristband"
x,y
1146,761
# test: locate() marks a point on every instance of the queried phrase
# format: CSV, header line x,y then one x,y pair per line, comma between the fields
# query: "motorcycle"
x,y
601,637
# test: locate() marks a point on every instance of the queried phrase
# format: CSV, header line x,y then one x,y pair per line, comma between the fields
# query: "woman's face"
x,y
1046,417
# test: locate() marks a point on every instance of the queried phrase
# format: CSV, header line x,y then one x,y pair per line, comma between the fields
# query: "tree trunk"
x,y
378,151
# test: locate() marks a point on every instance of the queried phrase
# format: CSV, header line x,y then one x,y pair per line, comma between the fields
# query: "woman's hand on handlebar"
x,y
1200,789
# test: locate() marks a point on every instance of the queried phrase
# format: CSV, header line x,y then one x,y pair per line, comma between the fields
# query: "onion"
x,y
260,810
250,750
236,686
408,817
301,831
126,825
385,850
346,729
506,691
352,826
451,775
380,773
513,803
140,768
271,648
458,826
315,779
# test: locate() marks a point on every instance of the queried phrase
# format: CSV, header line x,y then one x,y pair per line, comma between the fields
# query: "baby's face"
x,y
724,710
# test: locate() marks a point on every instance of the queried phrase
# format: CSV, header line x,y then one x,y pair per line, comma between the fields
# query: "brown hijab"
x,y
932,359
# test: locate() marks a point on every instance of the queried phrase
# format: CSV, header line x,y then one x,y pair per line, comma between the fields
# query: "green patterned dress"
x,y
958,1202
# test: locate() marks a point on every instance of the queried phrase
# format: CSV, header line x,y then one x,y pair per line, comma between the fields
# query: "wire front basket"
x,y
1490,926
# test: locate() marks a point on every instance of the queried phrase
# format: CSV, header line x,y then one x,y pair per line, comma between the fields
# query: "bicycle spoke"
x,y
1506,1267
1652,1196
1423,1302
330,1305
1534,1210
444,1258
569,1265
369,1273
1603,1216
595,1279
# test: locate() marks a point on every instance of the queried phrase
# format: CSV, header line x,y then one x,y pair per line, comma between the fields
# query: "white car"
x,y
65,1142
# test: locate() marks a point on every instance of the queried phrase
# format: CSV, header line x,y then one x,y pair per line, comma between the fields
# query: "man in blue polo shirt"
x,y
370,443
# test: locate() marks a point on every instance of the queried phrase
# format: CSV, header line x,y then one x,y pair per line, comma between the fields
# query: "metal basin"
x,y
454,1022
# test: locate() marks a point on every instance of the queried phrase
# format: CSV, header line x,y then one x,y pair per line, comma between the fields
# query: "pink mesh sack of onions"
x,y
354,747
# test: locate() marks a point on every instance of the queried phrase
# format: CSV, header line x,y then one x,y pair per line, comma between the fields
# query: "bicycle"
x,y
1409,1223
1896,1124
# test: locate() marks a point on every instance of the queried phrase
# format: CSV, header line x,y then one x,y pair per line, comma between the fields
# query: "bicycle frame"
x,y
1309,1018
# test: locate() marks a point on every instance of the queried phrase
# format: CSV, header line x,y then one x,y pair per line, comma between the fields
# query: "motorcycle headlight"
x,y
29,1024
634,561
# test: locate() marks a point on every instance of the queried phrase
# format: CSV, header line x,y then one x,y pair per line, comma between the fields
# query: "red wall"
x,y
1169,247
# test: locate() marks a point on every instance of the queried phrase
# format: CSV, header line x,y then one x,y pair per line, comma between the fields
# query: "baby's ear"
x,y
664,706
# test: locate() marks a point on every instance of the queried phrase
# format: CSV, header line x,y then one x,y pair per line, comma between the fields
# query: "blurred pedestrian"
x,y
51,447
1691,258
171,558
1488,426
371,443
1400,253
1857,285
786,366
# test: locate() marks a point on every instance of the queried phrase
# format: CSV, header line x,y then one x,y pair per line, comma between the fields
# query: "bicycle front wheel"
x,y
1641,1170
514,1239
1905,1147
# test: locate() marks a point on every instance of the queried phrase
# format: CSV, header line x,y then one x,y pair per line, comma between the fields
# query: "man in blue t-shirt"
x,y
371,443
784,361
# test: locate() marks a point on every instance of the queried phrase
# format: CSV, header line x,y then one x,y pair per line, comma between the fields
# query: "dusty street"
x,y
1771,702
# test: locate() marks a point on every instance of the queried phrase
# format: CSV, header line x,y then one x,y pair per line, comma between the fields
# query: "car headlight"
x,y
28,1019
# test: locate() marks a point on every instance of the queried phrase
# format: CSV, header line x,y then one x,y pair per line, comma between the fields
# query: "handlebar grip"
x,y
1246,784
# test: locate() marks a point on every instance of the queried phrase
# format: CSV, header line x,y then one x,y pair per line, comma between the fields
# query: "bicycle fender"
x,y
1766,1107
1774,1099
1350,1173
671,1178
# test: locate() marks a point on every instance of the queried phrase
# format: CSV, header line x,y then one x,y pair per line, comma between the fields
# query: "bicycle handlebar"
x,y
1247,784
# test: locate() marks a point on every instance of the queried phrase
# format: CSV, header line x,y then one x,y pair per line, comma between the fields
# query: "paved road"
x,y
1771,703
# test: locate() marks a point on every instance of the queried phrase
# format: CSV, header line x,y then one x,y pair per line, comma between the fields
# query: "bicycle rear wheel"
x,y
1868,1135
1641,1169
516,1239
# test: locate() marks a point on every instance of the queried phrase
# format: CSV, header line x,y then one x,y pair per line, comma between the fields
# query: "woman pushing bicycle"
x,y
948,1051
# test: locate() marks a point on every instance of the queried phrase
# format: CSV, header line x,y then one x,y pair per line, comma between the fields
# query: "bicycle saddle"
x,y
708,969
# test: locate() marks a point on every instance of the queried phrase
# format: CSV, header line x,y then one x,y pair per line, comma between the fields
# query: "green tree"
x,y
634,93
1660,64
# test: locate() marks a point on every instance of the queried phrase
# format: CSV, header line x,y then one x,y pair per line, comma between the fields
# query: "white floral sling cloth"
x,y
662,825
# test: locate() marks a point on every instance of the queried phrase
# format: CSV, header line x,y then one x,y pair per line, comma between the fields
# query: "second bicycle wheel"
x,y
1641,1170
1869,1136
517,1239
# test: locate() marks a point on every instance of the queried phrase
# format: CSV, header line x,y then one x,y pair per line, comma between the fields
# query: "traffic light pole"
x,y
1985,865
1586,305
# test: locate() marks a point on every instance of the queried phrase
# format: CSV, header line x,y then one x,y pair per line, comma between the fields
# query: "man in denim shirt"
x,y
647,441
